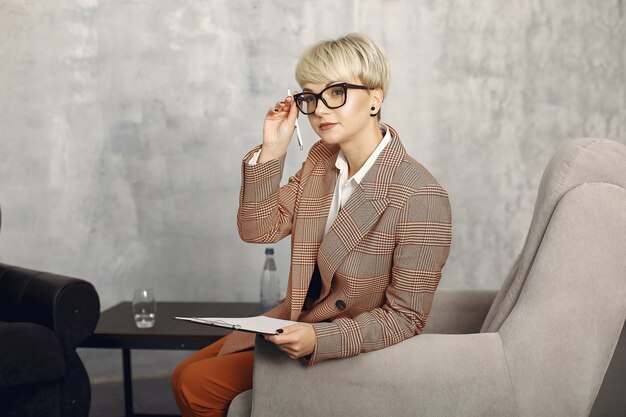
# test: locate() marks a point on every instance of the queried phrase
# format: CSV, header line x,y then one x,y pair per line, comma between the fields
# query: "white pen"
x,y
297,127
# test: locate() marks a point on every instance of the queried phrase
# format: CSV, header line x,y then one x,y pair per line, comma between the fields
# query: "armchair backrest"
x,y
578,162
561,310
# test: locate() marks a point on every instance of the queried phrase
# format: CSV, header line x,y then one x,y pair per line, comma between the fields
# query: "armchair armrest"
x,y
426,375
29,354
70,307
459,311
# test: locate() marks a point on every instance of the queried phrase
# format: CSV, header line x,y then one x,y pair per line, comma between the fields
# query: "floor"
x,y
153,396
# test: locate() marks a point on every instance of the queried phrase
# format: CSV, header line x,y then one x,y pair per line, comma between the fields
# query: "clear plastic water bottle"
x,y
270,290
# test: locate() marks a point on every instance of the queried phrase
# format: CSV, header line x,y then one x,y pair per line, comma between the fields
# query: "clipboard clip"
x,y
222,323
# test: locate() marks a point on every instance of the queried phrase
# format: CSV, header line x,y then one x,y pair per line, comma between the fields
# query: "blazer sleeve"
x,y
422,244
266,210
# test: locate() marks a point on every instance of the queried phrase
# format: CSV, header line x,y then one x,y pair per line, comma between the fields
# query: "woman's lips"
x,y
326,126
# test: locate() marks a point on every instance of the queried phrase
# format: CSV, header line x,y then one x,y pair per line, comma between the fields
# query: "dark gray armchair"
x,y
43,318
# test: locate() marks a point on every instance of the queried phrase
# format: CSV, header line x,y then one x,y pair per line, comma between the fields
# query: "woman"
x,y
370,227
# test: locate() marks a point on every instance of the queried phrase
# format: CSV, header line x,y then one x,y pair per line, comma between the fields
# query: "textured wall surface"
x,y
123,124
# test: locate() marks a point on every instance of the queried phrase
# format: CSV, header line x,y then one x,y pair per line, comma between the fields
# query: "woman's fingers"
x,y
285,105
281,107
297,340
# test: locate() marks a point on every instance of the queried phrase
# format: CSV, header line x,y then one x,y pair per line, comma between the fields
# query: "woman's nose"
x,y
321,108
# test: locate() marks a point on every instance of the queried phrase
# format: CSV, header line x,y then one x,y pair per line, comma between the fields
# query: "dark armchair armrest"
x,y
29,354
70,307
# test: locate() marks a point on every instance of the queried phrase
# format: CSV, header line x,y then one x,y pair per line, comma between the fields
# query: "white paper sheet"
x,y
257,324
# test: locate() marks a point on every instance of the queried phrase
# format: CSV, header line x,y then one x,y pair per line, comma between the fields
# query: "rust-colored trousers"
x,y
205,384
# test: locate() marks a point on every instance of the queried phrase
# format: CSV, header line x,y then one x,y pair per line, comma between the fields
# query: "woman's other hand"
x,y
297,340
278,129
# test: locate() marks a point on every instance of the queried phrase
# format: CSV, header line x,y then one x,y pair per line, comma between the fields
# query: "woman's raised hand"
x,y
278,129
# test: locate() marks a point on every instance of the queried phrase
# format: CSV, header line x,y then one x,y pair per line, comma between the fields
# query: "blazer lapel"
x,y
308,230
354,221
360,213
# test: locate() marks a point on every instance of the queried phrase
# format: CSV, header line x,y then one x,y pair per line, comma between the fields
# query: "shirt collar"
x,y
342,163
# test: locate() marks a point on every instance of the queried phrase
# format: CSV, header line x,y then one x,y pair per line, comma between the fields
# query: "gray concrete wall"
x,y
123,125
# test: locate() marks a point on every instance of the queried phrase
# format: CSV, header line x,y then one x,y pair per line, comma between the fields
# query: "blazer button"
x,y
340,304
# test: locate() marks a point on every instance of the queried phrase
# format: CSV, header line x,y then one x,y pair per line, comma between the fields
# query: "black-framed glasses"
x,y
333,97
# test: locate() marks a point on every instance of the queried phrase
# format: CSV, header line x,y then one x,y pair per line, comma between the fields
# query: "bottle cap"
x,y
269,251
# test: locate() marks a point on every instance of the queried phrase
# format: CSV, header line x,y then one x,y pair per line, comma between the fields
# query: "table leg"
x,y
128,383
128,389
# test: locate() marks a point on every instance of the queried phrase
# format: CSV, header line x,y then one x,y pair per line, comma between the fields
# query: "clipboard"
x,y
256,324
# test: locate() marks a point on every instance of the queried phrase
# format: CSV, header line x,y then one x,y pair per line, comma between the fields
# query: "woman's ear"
x,y
376,101
377,97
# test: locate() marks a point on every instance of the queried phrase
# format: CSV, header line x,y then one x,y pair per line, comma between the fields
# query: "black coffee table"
x,y
116,329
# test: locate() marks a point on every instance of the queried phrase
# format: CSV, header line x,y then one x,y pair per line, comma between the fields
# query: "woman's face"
x,y
347,123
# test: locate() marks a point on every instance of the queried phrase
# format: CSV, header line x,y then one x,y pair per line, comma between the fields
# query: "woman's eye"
x,y
306,99
337,91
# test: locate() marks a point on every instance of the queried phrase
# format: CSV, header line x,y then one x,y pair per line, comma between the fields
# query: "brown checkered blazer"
x,y
381,261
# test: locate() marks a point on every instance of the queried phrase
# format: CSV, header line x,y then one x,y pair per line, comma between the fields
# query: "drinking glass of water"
x,y
144,308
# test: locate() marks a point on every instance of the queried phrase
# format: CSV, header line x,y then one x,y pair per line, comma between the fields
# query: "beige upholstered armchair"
x,y
540,346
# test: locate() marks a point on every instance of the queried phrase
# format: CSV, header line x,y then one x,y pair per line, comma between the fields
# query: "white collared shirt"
x,y
344,187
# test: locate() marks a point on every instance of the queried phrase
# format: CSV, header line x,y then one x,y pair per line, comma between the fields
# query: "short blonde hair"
x,y
351,56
